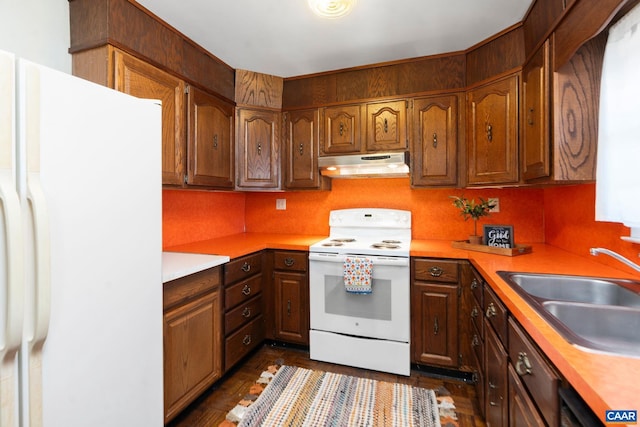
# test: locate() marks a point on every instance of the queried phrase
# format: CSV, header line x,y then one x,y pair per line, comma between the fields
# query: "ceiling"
x,y
283,38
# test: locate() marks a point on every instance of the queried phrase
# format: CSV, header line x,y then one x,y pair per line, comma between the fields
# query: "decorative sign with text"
x,y
498,236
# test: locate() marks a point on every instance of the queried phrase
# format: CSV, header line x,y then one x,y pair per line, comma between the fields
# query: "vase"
x,y
475,240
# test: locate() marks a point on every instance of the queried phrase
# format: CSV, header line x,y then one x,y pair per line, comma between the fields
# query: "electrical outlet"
x,y
281,204
496,202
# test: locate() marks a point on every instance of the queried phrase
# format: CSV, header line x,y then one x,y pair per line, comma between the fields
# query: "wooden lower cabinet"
x,y
496,397
290,289
522,410
192,331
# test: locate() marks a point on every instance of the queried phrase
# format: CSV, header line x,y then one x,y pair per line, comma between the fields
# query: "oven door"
x,y
382,314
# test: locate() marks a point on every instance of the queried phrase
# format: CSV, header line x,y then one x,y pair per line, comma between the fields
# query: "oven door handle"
x,y
377,260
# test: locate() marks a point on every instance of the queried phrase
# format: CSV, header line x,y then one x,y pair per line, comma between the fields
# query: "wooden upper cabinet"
x,y
535,113
143,80
258,149
387,126
435,140
210,140
301,149
492,132
342,129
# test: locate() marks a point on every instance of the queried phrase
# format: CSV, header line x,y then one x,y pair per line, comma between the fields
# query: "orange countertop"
x,y
604,381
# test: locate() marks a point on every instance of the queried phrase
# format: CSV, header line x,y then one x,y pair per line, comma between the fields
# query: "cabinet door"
x,y
387,126
435,324
210,140
496,398
342,129
258,149
492,132
192,351
302,132
143,80
522,410
435,141
291,307
536,162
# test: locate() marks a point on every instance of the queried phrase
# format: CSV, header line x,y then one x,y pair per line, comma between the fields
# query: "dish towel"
x,y
617,177
357,274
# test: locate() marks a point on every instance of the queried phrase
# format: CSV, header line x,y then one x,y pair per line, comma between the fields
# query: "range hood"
x,y
384,165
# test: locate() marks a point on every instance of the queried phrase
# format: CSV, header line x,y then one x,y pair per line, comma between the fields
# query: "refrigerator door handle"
x,y
14,313
38,206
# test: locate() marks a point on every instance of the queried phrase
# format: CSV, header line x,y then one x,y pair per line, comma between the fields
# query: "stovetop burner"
x,y
395,242
332,244
386,245
343,240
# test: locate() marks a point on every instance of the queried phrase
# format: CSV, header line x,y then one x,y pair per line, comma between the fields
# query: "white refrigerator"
x,y
80,252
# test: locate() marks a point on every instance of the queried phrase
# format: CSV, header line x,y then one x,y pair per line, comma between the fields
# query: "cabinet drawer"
x,y
186,288
241,268
294,261
534,372
241,342
242,314
242,291
496,314
476,286
436,270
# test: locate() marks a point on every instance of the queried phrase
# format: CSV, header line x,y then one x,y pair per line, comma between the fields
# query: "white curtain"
x,y
618,170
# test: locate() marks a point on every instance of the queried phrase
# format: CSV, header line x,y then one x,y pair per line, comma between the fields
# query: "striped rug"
x,y
302,397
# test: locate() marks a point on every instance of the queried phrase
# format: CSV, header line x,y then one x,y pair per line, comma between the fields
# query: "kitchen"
x,y
558,216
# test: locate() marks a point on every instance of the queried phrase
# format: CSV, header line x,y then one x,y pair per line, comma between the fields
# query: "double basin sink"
x,y
595,314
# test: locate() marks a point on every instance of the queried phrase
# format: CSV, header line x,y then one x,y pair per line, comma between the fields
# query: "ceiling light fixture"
x,y
331,8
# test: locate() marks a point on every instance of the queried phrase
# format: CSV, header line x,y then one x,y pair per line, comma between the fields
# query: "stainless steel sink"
x,y
578,289
604,328
593,313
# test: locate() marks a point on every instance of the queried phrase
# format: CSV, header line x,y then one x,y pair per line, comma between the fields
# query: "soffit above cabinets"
x,y
284,38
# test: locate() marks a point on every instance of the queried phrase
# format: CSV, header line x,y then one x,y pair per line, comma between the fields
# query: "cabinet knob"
x,y
523,365
386,126
475,341
489,132
246,340
436,271
530,116
301,148
246,290
436,326
289,262
259,148
475,312
341,129
215,141
289,307
474,283
491,310
246,267
435,140
246,313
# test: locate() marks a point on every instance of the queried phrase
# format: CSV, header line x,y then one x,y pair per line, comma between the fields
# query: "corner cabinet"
x,y
435,141
210,141
434,312
192,330
143,80
301,136
258,149
492,132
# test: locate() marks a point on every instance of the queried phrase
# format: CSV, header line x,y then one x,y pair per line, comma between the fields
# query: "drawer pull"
x,y
246,267
246,340
246,290
246,312
491,311
289,262
474,312
475,341
436,271
523,365
474,283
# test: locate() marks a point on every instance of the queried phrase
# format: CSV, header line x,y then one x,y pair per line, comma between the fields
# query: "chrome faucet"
x,y
596,251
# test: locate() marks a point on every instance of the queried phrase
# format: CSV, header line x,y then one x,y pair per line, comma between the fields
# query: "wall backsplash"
x,y
562,216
